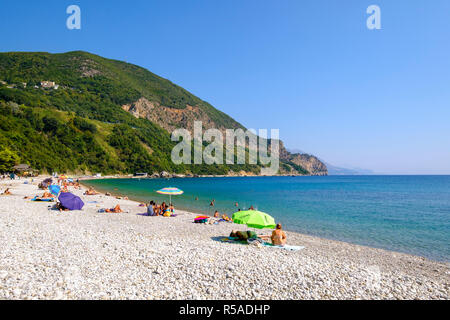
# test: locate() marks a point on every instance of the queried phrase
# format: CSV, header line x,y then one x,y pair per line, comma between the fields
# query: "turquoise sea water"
x,y
403,213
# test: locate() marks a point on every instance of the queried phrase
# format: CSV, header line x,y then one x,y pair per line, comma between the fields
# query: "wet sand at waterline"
x,y
47,254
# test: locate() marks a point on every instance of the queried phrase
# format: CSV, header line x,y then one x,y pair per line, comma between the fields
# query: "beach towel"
x,y
285,247
201,219
260,242
232,240
40,199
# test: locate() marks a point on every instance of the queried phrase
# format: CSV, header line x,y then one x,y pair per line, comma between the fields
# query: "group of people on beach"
x,y
278,236
224,216
165,210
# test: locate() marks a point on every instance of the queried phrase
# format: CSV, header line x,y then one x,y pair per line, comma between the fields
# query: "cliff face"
x,y
310,163
173,118
170,118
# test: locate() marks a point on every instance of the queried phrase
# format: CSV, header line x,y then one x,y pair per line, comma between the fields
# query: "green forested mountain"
x,y
78,112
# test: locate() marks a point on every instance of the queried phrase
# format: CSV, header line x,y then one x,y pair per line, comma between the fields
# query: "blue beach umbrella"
x,y
54,189
171,191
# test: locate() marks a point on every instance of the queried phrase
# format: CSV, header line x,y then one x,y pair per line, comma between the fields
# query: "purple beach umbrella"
x,y
70,201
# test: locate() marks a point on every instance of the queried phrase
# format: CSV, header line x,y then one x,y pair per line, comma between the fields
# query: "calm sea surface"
x,y
403,213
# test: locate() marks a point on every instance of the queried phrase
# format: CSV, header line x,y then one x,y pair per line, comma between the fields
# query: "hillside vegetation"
x,y
80,125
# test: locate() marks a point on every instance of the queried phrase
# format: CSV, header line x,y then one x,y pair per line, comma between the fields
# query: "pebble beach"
x,y
47,254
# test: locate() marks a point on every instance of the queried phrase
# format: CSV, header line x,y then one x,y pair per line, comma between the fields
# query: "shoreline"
x,y
158,249
84,183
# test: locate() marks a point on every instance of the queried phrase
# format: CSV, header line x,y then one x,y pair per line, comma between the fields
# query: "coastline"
x,y
158,249
201,208
293,234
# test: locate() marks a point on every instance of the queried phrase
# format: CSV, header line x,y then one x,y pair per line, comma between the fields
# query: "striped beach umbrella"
x,y
171,191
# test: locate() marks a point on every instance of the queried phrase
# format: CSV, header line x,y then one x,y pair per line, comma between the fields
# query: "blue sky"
x,y
375,99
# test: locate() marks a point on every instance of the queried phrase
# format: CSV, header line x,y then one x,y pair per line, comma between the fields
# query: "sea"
x,y
409,214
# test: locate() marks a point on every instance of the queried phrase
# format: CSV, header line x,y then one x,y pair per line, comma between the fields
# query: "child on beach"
x,y
169,211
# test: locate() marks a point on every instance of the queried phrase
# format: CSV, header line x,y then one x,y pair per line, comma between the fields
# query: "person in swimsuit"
x,y
278,236
116,209
47,195
90,192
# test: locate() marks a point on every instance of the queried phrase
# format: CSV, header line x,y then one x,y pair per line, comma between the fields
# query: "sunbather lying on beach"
x,y
278,236
91,192
60,207
225,217
7,192
47,196
243,235
116,209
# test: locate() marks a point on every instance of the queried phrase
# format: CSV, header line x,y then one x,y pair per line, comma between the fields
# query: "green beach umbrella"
x,y
254,219
171,191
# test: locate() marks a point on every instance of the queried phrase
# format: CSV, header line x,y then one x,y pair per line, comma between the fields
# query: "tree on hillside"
x,y
8,159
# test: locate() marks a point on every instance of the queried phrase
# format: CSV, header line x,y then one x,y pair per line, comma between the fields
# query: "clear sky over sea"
x,y
374,99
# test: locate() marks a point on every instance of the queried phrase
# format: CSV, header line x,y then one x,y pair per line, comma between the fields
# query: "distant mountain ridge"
x,y
100,115
335,170
339,171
